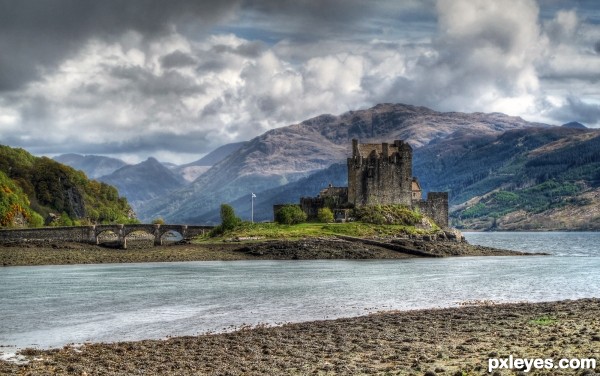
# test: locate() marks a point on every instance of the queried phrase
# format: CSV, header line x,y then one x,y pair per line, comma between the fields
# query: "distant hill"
x,y
218,154
522,179
285,155
36,190
144,181
191,171
336,174
527,179
574,125
94,166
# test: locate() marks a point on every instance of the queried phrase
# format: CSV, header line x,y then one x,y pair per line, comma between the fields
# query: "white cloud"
x,y
181,92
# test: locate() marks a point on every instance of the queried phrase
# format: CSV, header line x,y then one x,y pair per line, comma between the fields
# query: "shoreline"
x,y
447,341
321,248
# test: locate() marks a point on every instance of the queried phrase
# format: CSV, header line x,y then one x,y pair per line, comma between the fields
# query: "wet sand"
x,y
306,249
454,341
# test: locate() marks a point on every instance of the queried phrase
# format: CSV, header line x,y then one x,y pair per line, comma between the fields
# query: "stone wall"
x,y
380,177
378,174
81,234
435,207
89,234
330,197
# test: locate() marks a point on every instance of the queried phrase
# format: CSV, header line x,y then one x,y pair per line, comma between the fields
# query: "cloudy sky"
x,y
176,78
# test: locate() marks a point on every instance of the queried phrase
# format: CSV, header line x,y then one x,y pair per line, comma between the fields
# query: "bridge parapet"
x,y
90,234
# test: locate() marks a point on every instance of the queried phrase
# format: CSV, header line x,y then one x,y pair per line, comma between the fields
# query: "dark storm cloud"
x,y
143,77
196,142
177,59
40,34
577,110
250,49
37,35
309,20
151,84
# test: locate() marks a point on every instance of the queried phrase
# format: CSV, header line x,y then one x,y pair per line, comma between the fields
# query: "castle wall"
x,y
331,197
311,206
378,174
380,177
435,207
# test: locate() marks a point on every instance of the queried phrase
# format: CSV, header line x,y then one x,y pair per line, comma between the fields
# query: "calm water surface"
x,y
50,306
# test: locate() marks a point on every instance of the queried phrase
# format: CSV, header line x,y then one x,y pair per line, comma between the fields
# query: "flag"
x,y
253,195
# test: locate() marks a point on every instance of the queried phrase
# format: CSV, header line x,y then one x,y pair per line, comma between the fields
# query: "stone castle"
x,y
379,174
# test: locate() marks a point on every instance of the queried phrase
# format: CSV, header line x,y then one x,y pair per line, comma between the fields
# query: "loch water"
x,y
50,306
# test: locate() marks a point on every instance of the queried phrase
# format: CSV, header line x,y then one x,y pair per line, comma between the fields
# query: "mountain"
x,y
37,190
94,166
574,125
191,171
144,181
533,178
336,174
525,179
218,154
284,155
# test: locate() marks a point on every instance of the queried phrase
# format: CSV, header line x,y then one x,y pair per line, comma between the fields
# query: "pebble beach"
x,y
451,341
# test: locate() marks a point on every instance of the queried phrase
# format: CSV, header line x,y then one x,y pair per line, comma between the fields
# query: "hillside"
x,y
144,181
191,171
94,166
528,179
542,179
34,190
309,186
285,155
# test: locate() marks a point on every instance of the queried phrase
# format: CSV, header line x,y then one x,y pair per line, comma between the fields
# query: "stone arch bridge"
x,y
90,234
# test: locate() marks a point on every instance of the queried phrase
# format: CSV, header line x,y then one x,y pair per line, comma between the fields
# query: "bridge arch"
x,y
94,234
170,236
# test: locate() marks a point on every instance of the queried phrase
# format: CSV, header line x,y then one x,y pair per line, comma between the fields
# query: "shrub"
x,y
325,215
158,221
228,219
290,215
387,214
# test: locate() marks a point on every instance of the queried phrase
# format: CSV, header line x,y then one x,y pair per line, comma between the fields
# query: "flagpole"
x,y
253,195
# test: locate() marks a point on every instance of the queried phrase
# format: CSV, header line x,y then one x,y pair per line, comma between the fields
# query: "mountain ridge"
x,y
144,181
287,154
94,166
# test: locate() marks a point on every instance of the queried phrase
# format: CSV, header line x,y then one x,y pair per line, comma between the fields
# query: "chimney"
x,y
355,147
384,150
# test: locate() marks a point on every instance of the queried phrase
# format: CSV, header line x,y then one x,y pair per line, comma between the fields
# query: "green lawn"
x,y
306,230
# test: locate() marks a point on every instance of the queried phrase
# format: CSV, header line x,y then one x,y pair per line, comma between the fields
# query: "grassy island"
x,y
264,241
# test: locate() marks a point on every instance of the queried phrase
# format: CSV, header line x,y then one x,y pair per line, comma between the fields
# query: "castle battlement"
x,y
380,174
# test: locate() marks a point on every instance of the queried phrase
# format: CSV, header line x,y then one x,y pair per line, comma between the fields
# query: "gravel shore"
x,y
453,341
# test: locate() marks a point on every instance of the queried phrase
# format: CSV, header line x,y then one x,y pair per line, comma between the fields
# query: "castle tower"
x,y
380,174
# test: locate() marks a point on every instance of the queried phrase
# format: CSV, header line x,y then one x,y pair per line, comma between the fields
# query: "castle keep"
x,y
379,174
382,174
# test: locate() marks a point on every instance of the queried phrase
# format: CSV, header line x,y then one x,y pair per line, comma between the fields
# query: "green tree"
x,y
158,221
290,215
325,215
228,219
